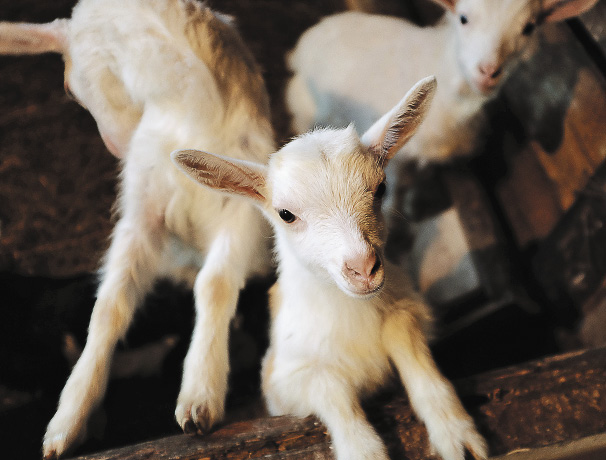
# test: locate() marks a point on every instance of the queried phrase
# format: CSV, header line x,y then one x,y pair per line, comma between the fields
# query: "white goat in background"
x,y
353,66
158,75
341,314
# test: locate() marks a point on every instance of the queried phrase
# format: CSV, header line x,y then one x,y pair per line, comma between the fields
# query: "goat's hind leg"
x,y
128,274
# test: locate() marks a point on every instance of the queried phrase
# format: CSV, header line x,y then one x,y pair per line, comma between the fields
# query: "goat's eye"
x,y
287,216
463,19
528,28
381,189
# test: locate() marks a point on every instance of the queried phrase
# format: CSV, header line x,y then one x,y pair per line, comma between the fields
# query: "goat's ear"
x,y
558,10
25,38
224,174
447,4
398,125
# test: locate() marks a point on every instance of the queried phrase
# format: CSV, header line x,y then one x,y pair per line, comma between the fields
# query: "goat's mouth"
x,y
486,85
363,289
365,293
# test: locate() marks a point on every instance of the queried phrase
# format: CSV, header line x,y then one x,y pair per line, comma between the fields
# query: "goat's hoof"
x,y
476,454
54,447
460,441
197,419
61,438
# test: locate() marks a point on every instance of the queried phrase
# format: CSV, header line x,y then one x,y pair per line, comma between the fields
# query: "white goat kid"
x,y
158,75
353,66
340,313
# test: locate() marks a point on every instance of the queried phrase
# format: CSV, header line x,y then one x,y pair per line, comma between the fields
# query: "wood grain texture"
x,y
540,403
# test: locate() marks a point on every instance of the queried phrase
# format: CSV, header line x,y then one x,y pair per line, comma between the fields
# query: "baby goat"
x,y
341,314
158,75
352,66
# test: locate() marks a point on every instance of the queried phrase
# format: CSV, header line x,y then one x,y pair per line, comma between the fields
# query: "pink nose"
x,y
490,70
362,269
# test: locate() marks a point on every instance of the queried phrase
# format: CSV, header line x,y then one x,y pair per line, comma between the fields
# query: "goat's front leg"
x,y
128,274
206,367
304,390
451,430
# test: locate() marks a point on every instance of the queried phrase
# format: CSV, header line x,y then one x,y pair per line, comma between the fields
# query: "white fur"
x,y
353,66
342,315
151,88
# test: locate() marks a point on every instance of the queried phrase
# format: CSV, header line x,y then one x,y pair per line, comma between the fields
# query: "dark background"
x,y
57,186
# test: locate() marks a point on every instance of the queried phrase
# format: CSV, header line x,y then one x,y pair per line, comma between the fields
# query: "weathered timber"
x,y
595,23
552,139
540,403
458,253
571,261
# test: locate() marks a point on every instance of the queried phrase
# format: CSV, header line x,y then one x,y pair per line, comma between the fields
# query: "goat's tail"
x,y
27,38
366,6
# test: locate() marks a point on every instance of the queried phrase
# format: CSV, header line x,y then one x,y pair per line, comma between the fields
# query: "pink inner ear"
x,y
448,4
559,10
252,184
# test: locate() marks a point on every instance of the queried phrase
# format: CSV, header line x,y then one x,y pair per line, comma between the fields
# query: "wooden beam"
x,y
540,403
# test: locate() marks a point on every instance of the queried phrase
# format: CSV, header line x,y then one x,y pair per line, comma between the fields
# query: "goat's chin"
x,y
360,293
487,87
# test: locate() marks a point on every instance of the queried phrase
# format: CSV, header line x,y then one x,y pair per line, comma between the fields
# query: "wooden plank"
x,y
554,133
571,262
481,231
540,403
593,325
595,23
532,215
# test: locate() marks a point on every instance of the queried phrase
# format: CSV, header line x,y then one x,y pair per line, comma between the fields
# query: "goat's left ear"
x,y
398,125
558,10
224,174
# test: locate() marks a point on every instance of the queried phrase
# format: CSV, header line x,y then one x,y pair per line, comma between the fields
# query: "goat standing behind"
x,y
353,66
341,314
158,75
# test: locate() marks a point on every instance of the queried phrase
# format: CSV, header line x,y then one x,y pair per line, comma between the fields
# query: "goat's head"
x,y
322,192
491,34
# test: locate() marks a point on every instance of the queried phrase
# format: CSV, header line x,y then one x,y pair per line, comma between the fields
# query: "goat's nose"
x,y
490,70
363,268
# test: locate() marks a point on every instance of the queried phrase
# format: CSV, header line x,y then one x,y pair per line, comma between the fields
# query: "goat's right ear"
x,y
447,4
224,174
397,126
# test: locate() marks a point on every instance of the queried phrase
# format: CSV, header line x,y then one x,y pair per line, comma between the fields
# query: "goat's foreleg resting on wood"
x,y
335,402
451,429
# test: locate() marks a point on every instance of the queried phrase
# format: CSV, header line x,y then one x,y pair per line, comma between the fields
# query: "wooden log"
x,y
540,403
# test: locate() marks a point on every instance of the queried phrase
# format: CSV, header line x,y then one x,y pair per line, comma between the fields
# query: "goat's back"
x,y
166,57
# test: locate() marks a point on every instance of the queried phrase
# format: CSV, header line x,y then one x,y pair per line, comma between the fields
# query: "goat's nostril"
x,y
491,71
375,267
363,268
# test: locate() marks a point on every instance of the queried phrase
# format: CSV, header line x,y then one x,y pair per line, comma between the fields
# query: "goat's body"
x,y
316,327
363,68
341,315
159,75
329,350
